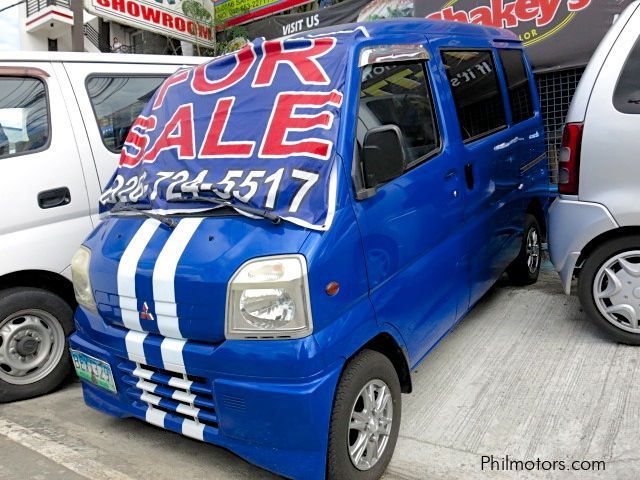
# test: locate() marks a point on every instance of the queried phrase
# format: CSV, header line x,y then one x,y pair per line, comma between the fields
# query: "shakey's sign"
x,y
516,14
558,33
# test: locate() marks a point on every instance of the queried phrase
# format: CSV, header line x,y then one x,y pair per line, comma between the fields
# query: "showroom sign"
x,y
188,20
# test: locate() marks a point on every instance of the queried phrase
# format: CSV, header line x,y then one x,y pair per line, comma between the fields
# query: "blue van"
x,y
294,226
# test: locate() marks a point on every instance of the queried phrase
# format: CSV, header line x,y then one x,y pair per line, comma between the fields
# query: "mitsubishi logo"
x,y
145,314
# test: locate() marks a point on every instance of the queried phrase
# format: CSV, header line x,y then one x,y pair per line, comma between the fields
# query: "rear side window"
x,y
398,94
518,85
476,92
117,101
24,116
626,97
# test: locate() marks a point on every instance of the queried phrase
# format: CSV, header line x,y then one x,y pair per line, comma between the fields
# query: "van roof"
x,y
403,26
81,57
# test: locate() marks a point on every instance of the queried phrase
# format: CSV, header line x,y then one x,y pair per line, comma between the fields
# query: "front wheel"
x,y
609,289
34,358
365,420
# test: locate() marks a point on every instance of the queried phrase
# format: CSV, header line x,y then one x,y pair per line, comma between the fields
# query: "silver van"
x,y
594,225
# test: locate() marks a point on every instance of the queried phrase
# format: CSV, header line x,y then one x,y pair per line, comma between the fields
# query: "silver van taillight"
x,y
569,159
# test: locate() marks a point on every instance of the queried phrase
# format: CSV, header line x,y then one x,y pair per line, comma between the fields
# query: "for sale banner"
x,y
190,20
556,33
255,128
236,12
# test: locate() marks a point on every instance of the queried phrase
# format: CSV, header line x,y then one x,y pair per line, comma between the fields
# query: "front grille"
x,y
184,396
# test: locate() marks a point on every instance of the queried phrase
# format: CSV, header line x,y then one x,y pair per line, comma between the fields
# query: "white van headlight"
x,y
80,275
268,298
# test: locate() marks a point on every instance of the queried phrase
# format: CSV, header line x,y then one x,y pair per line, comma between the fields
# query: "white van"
x,y
63,120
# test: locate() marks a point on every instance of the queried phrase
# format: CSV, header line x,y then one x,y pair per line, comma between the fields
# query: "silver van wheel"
x,y
31,344
370,424
616,291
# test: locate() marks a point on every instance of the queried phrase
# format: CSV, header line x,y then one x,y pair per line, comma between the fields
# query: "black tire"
x,y
585,286
14,300
519,272
365,366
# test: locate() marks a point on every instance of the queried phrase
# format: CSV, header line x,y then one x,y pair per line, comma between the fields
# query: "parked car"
x,y
295,226
63,119
595,222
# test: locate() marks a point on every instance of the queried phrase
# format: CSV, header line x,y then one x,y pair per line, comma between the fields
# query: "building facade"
x,y
46,25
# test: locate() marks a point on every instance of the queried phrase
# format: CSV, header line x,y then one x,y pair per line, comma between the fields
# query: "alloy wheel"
x,y
533,250
370,424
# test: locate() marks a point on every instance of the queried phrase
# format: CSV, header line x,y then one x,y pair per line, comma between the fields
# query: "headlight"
x,y
268,298
81,282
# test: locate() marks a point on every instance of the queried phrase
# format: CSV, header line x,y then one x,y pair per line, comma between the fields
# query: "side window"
x,y
398,94
476,92
626,97
515,71
24,116
117,101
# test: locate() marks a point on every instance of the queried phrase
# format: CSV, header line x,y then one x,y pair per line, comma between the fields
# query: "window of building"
x,y
24,116
476,92
117,101
515,70
399,94
626,97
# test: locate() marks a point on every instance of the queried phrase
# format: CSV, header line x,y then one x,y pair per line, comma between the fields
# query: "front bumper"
x,y
572,225
276,422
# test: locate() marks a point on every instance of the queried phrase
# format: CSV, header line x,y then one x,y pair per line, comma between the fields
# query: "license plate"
x,y
93,370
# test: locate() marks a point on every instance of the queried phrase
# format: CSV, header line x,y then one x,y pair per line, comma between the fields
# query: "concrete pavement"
x,y
524,375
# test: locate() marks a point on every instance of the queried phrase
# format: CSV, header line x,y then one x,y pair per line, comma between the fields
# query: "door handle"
x,y
56,197
502,146
468,175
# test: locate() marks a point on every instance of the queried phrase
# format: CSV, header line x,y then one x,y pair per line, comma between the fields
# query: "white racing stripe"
x,y
134,342
171,351
180,383
76,461
164,276
155,417
127,273
193,429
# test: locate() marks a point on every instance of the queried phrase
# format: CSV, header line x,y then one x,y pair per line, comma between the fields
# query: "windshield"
x,y
257,128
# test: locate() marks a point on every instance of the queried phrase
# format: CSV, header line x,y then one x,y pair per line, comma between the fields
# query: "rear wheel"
x,y
365,420
609,289
526,267
34,357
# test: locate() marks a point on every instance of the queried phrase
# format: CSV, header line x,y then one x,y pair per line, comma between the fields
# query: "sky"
x,y
9,22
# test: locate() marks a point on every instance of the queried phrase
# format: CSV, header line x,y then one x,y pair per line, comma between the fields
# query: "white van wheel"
x,y
609,288
34,324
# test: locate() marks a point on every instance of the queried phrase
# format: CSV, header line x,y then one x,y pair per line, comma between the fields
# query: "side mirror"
x,y
383,156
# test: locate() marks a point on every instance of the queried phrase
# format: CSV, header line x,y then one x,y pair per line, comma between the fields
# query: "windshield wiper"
x,y
143,210
275,219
